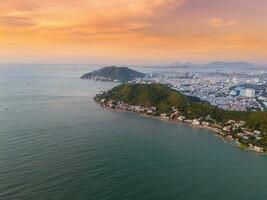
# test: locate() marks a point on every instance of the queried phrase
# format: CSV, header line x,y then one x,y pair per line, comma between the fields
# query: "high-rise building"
x,y
248,92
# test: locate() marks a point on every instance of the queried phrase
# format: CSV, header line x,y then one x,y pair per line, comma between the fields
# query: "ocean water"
x,y
57,143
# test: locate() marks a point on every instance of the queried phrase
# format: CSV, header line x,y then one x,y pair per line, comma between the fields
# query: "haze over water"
x,y
57,143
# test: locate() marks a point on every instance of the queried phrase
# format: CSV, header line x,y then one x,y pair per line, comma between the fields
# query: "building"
x,y
233,93
196,122
248,92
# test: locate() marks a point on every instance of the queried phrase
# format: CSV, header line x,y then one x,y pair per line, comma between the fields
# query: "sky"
x,y
132,31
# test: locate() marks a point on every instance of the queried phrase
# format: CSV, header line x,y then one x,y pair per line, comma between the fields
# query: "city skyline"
x,y
132,32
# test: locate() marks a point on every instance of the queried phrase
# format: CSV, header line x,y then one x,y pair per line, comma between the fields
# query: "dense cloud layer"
x,y
134,29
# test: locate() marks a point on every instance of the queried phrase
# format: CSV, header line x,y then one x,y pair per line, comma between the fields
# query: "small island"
x,y
245,129
113,73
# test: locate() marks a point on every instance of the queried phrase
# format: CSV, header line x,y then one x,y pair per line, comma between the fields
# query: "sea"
x,y
56,143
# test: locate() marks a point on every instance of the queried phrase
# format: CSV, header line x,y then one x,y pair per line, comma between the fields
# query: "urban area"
x,y
227,90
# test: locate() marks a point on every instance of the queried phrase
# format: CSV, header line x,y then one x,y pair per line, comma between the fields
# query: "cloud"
x,y
16,22
86,17
217,22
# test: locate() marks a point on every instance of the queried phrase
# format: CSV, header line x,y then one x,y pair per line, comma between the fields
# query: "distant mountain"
x,y
218,65
113,73
234,65
185,65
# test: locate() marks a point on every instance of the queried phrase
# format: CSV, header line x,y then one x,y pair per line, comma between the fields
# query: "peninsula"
x,y
243,128
113,73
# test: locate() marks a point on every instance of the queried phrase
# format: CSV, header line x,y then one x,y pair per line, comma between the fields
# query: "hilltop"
x,y
113,73
149,95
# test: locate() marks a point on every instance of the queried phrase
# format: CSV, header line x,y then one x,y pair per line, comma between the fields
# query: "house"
x,y
240,134
164,116
258,149
257,132
174,115
110,104
227,128
181,118
196,122
189,121
231,122
245,137
229,137
205,123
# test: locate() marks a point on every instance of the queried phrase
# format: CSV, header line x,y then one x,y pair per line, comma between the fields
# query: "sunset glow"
x,y
132,31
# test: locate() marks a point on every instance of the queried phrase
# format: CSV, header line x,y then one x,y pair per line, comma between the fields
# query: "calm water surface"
x,y
57,143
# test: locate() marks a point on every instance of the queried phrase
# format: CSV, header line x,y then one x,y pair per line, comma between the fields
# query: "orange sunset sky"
x,y
132,31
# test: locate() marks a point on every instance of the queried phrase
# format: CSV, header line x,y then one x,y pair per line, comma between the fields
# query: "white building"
x,y
196,122
248,92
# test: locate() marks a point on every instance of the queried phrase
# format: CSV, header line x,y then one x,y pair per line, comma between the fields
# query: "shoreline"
x,y
213,130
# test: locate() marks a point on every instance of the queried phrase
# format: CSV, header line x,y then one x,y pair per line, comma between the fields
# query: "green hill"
x,y
148,95
164,99
121,74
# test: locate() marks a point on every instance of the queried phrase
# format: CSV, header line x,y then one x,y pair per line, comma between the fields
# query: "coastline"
x,y
212,130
